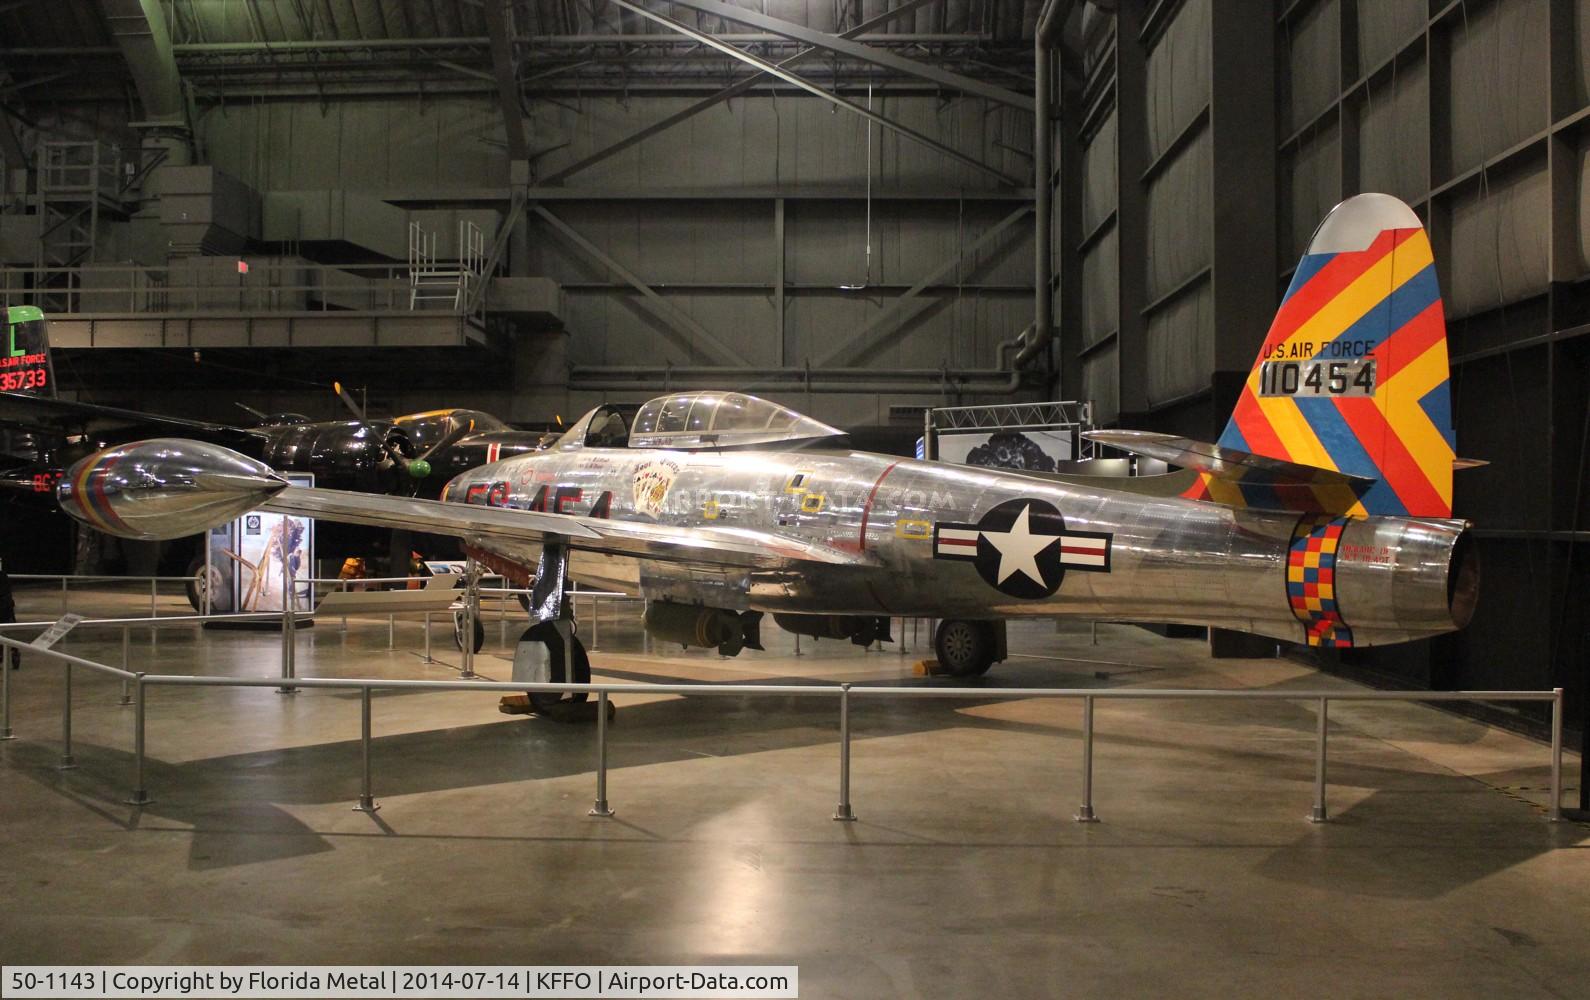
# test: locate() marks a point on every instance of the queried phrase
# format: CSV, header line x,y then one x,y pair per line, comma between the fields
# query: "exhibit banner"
x,y
1028,450
251,551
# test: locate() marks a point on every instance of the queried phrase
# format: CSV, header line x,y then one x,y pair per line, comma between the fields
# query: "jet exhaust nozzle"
x,y
164,488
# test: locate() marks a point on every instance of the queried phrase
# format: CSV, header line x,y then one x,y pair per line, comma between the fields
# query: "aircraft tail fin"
x,y
1353,375
25,365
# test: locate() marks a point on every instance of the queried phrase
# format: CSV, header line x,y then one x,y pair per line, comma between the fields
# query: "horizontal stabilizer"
x,y
1223,463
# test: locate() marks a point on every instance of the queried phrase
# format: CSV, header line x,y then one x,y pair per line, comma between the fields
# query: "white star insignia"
x,y
1019,548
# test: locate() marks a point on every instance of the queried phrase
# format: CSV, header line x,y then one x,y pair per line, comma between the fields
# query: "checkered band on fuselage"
x,y
1311,581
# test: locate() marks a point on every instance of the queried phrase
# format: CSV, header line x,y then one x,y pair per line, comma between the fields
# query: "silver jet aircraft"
x,y
1321,516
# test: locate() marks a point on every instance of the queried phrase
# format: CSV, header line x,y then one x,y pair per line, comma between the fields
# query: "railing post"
x,y
63,594
1318,814
6,655
391,631
154,592
1086,814
842,811
140,796
428,638
797,644
471,615
601,808
596,623
289,622
126,657
367,803
68,762
1554,813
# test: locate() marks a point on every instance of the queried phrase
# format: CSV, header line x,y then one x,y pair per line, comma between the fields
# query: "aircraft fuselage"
x,y
949,541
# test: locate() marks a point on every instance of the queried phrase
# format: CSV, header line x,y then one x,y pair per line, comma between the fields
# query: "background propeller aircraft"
x,y
1323,514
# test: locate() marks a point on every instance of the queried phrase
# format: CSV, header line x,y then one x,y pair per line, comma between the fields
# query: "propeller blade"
x,y
348,401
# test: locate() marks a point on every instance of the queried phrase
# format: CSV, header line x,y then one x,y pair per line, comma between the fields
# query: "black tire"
x,y
965,648
198,580
547,634
458,631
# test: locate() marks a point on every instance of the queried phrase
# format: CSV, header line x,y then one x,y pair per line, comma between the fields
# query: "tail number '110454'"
x,y
1318,378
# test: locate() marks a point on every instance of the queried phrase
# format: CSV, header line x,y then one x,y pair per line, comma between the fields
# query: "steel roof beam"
x,y
504,67
139,28
856,50
734,90
676,319
811,88
889,322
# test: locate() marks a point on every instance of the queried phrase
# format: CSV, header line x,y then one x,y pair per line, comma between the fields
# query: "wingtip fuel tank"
x,y
164,488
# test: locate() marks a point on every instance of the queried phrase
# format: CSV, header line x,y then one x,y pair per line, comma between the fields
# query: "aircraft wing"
x,y
46,413
1222,463
714,546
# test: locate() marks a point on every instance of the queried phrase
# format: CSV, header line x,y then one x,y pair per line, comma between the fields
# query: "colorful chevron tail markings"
x,y
1353,375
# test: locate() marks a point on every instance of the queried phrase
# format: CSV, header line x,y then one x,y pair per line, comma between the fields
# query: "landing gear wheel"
x,y
547,635
203,578
458,631
965,648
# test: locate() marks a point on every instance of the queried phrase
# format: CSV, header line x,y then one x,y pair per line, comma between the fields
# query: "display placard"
x,y
259,542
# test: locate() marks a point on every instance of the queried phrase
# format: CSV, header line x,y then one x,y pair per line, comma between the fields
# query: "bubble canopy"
x,y
711,420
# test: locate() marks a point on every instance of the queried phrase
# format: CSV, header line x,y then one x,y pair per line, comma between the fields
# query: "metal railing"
x,y
214,286
137,682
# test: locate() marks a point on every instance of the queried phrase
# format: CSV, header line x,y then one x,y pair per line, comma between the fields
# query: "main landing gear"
x,y
540,658
968,648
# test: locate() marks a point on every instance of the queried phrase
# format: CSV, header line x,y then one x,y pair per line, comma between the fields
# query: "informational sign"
x,y
1029,450
259,543
55,633
439,567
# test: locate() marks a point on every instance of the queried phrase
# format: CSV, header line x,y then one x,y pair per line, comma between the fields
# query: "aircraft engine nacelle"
x,y
1389,579
863,630
695,625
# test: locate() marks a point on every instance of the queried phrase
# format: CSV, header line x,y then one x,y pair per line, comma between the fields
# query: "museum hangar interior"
x,y
391,242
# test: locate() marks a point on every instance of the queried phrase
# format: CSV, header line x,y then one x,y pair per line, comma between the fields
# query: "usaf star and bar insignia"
x,y
1022,548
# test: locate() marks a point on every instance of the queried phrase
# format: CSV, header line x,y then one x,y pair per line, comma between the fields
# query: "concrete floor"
x,y
965,875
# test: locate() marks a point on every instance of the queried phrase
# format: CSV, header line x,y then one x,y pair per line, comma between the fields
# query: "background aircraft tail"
x,y
1353,375
25,365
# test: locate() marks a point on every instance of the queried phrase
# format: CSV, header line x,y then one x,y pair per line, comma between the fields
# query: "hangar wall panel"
x,y
1394,134
1384,26
1500,251
1180,218
1098,175
1499,78
1313,56
1311,186
1178,75
1100,289
1180,346
1101,382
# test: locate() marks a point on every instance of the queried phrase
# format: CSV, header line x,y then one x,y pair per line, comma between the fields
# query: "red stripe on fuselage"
x,y
866,509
